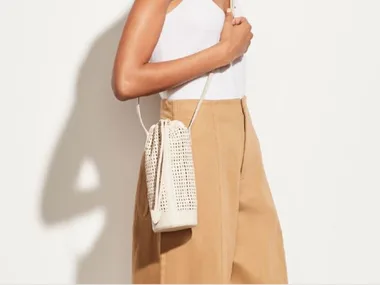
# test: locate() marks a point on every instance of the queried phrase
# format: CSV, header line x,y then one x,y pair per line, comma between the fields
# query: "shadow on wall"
x,y
106,131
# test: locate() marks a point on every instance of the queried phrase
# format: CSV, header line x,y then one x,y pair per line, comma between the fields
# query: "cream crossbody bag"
x,y
170,175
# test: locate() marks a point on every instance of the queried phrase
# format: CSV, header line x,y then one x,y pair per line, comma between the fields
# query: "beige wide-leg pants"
x,y
238,238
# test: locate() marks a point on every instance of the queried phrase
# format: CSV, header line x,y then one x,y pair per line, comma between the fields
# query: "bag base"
x,y
170,222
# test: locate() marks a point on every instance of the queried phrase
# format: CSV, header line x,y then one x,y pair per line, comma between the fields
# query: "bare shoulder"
x,y
141,32
143,8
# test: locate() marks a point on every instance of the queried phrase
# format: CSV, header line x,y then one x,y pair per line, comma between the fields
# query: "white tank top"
x,y
192,26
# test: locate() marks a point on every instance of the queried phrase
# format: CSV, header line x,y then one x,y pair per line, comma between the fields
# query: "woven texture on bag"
x,y
182,175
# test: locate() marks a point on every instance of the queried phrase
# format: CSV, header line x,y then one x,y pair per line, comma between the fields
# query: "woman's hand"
x,y
236,36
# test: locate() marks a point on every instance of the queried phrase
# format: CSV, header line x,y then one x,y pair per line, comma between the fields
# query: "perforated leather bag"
x,y
170,175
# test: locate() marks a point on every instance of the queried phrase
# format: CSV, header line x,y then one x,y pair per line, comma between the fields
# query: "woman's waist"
x,y
221,110
220,88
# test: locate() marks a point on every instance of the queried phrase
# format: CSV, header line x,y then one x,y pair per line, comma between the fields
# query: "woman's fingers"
x,y
238,20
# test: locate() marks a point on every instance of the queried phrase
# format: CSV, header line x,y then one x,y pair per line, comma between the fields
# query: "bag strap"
x,y
196,109
207,84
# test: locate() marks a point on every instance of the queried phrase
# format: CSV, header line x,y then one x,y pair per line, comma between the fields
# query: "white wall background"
x,y
69,152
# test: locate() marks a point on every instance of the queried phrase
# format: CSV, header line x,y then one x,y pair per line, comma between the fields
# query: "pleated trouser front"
x,y
238,238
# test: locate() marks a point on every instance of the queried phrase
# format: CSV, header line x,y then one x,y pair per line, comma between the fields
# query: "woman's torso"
x,y
192,26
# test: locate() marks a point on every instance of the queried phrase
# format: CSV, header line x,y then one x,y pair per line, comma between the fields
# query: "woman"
x,y
169,47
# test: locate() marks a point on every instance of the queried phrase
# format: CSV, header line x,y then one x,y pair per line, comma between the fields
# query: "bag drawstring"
x,y
157,193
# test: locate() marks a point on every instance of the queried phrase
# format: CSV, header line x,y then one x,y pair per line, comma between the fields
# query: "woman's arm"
x,y
135,76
